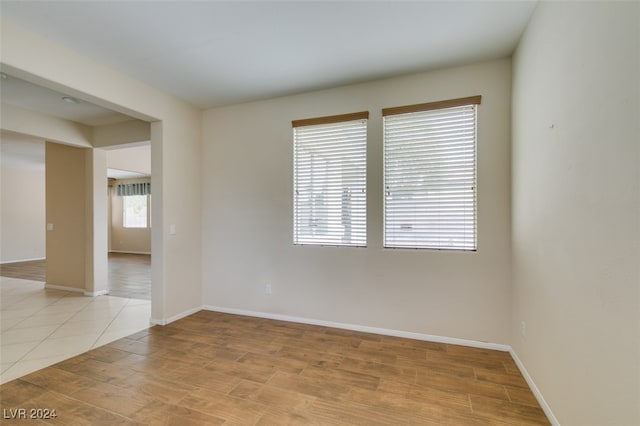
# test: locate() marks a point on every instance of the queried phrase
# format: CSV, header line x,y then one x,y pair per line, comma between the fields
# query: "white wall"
x,y
247,217
131,158
127,132
576,209
22,199
96,214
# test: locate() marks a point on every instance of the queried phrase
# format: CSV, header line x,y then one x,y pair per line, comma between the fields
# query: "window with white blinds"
x,y
329,180
430,175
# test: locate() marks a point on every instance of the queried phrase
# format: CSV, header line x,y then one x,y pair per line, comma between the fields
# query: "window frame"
x,y
345,212
391,234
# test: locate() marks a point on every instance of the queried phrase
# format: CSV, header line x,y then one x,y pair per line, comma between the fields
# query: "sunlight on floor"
x,y
42,327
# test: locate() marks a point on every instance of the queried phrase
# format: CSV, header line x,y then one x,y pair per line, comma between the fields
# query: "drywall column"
x,y
96,241
157,228
66,219
76,211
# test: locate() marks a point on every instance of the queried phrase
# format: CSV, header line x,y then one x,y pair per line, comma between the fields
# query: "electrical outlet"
x,y
523,329
267,289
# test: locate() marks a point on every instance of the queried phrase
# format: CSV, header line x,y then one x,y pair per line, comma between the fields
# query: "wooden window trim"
x,y
471,100
362,115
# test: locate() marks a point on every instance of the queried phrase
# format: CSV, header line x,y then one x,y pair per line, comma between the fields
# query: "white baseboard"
x,y
129,252
175,317
6,262
63,288
96,293
76,290
364,329
534,389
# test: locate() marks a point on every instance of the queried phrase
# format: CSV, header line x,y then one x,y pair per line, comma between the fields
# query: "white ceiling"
x,y
14,91
214,53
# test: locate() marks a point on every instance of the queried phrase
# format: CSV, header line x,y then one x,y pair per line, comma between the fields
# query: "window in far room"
x,y
136,198
135,211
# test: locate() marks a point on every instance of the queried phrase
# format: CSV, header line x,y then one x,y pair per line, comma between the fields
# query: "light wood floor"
x,y
129,274
212,368
35,270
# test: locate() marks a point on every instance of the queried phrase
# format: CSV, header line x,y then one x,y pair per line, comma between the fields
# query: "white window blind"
x,y
430,175
329,182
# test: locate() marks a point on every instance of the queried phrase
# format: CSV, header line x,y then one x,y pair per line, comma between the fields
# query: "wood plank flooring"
x,y
35,270
129,274
213,368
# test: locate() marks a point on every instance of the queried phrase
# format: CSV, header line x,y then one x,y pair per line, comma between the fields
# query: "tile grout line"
x,y
127,304
36,300
39,310
30,316
62,324
87,305
110,322
49,335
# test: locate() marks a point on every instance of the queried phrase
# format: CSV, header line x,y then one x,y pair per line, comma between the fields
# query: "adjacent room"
x,y
129,221
24,215
366,212
45,317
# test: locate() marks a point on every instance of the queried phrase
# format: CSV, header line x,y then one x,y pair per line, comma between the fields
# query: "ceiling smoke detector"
x,y
70,100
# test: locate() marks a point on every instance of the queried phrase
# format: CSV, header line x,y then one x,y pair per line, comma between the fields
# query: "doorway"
x,y
129,221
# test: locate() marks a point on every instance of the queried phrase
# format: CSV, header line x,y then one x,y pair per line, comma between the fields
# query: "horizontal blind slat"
x,y
330,183
430,178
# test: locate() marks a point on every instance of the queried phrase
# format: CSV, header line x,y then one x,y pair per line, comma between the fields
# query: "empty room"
x,y
355,212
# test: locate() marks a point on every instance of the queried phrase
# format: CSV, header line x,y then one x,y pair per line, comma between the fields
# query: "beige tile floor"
x,y
41,327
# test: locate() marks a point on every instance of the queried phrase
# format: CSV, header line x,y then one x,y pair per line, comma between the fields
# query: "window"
x,y
329,180
135,203
430,175
134,213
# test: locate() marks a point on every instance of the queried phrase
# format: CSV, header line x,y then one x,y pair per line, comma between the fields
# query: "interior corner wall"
x,y
247,217
22,213
65,210
576,209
